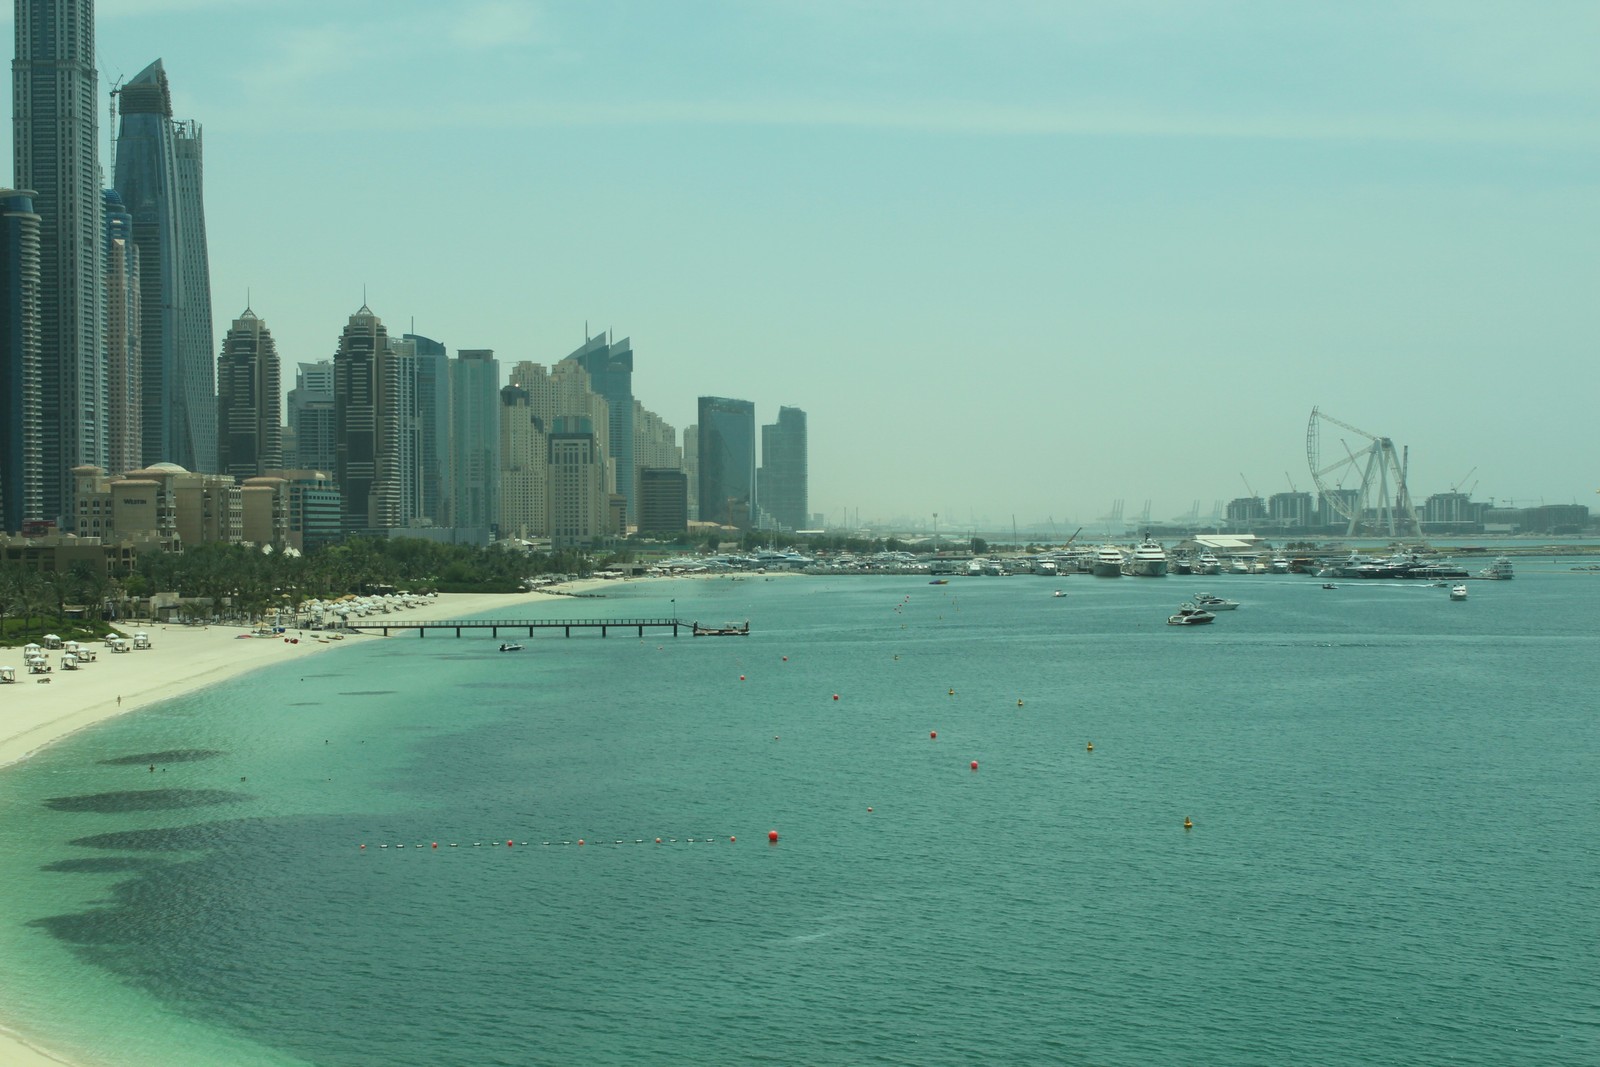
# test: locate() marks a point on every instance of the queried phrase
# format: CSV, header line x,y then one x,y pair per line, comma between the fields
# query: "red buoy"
x,y
933,735
658,840
508,845
772,837
836,696
436,844
731,840
974,764
786,659
580,840
741,677
363,846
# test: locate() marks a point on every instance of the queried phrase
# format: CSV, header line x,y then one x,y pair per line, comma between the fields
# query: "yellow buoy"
x,y
1091,746
1019,703
1187,825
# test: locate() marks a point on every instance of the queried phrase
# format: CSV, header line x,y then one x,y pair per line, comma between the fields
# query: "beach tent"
x,y
31,648
51,640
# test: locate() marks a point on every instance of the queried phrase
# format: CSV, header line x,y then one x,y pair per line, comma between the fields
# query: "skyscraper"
x,y
727,461
524,466
311,417
21,447
196,342
124,404
610,368
158,174
577,494
366,425
251,438
57,155
433,428
475,440
782,485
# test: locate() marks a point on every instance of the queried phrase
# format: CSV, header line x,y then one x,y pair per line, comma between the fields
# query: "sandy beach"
x,y
181,659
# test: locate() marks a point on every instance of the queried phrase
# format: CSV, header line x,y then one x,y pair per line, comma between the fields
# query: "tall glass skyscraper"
x,y
251,439
783,469
433,428
21,469
55,92
124,404
727,461
158,174
475,440
610,367
366,425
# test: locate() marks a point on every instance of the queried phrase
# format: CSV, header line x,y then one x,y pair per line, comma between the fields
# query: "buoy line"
x,y
772,838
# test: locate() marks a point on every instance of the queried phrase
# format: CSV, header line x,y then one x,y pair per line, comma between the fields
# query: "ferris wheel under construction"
x,y
1381,503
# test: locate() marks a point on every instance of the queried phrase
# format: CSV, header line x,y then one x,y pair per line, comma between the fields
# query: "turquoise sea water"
x,y
1393,858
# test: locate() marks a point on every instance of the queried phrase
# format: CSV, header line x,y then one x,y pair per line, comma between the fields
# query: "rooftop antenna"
x,y
247,298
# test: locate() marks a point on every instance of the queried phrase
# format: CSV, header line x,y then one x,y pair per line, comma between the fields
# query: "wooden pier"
x,y
494,626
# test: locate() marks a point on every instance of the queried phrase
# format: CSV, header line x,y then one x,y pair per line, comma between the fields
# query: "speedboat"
x,y
1189,615
1458,592
1058,593
1108,562
510,648
940,581
1207,563
1329,585
1215,603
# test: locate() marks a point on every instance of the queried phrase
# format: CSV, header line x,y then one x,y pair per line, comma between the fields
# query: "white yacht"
x,y
1458,592
1148,560
1207,563
1108,562
1279,565
1499,570
1215,603
1238,565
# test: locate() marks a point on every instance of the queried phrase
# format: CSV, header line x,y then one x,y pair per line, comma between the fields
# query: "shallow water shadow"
x,y
145,800
100,865
176,755
164,839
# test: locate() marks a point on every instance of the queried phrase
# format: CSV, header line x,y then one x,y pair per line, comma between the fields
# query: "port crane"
x,y
1381,468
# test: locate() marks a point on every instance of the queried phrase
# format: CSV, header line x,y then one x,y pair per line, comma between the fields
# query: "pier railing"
x,y
494,626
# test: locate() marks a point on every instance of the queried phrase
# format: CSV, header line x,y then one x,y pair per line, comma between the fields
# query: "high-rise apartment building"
x,y
56,154
524,467
475,439
578,501
366,425
311,417
124,404
610,367
691,467
663,501
21,444
158,175
727,461
251,438
433,428
782,485
564,390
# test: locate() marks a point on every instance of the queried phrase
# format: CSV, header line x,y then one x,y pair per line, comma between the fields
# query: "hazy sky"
x,y
1011,258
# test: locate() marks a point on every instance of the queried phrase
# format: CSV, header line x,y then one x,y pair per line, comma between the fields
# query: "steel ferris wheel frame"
x,y
1383,503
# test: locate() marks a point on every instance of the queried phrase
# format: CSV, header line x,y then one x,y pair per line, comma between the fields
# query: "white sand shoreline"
x,y
181,659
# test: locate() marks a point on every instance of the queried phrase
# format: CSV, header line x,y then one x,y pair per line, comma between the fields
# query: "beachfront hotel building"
x,y
727,461
124,342
782,483
578,504
56,155
475,440
162,503
663,501
250,441
21,444
524,467
610,368
158,175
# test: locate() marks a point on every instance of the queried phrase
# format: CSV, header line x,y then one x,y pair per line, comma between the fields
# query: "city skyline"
x,y
1145,241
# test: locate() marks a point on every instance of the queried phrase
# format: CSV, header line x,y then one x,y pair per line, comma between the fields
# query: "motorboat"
x,y
1058,593
1458,592
1207,563
1148,560
940,581
1499,570
1279,565
1189,615
1329,585
1108,562
1238,565
1212,602
511,648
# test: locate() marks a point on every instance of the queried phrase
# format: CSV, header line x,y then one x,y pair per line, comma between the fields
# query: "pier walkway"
x,y
494,626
